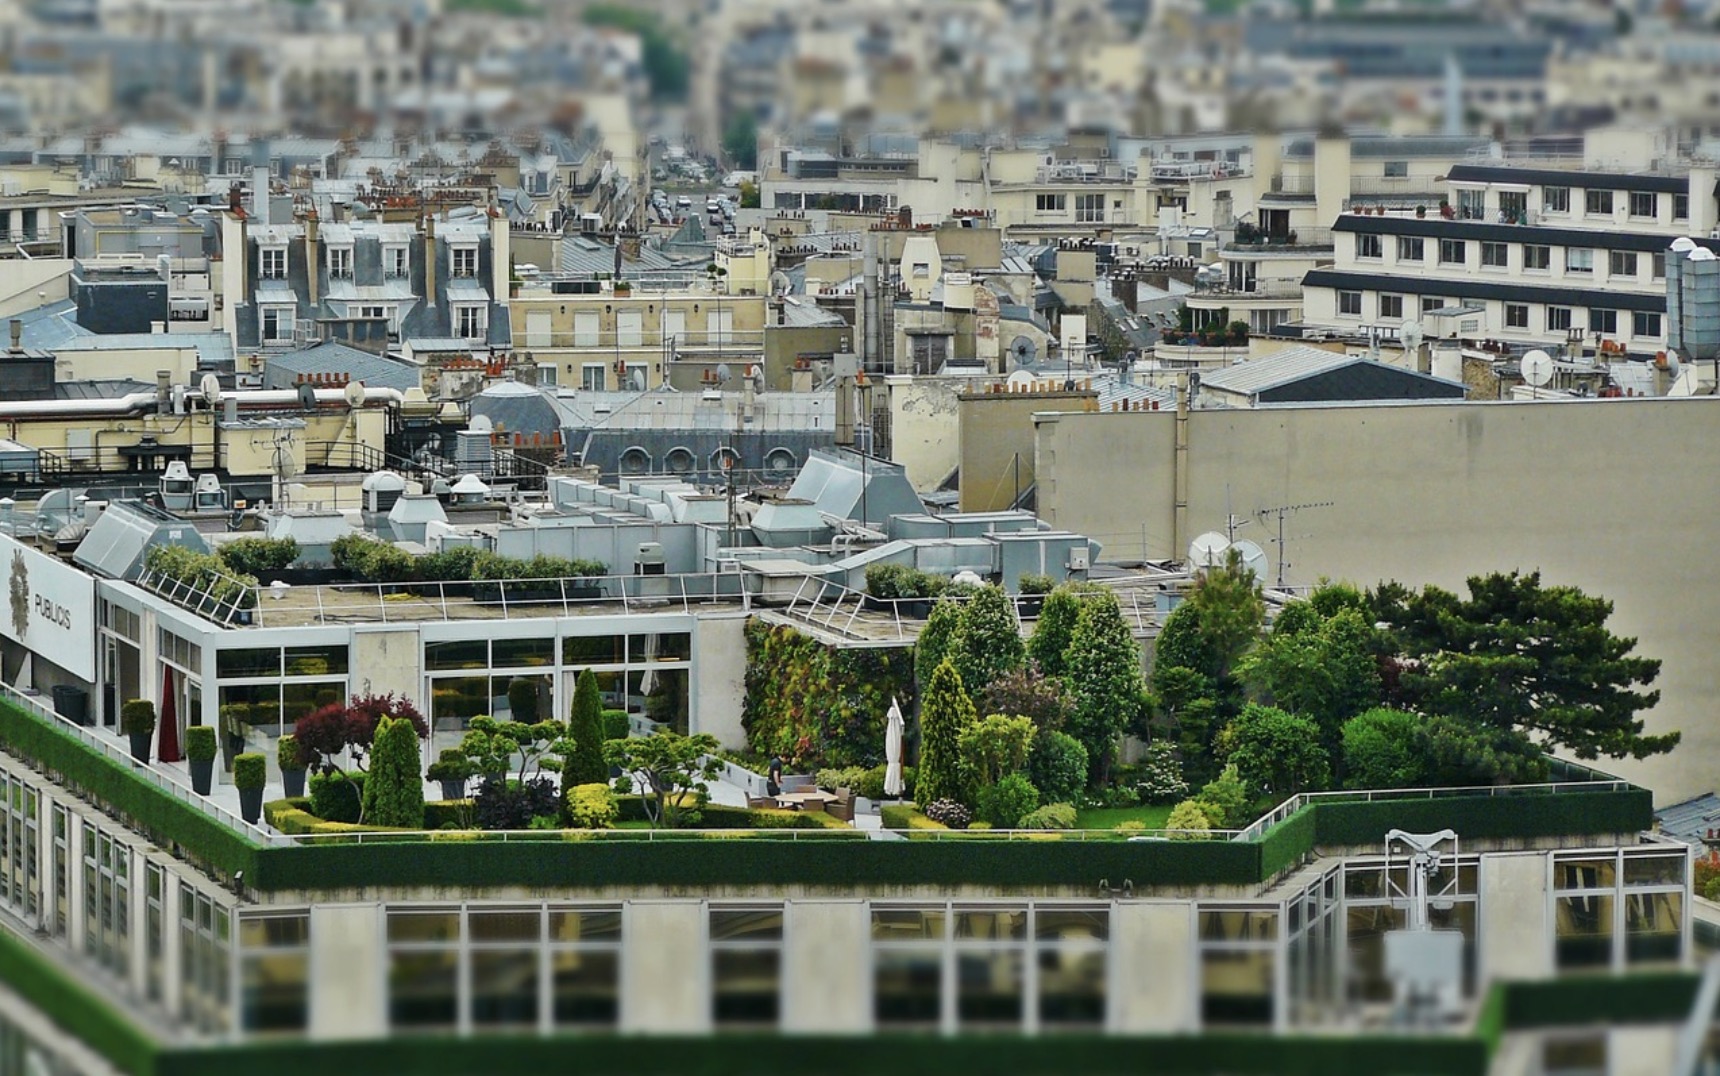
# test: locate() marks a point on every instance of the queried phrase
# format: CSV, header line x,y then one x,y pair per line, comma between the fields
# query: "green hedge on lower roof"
x,y
1641,998
759,861
1511,814
57,994
168,822
728,1055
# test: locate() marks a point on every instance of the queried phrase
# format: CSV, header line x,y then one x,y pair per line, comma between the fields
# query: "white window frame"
x,y
463,260
272,262
285,316
471,321
396,260
1349,304
1368,246
340,262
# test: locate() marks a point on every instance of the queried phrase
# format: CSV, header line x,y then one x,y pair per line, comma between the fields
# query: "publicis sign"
x,y
51,608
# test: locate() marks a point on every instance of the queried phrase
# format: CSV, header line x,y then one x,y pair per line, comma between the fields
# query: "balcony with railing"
x,y
1251,240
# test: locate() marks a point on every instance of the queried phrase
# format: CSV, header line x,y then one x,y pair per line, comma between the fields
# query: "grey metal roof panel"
x,y
1556,177
282,370
1440,228
1277,368
1479,289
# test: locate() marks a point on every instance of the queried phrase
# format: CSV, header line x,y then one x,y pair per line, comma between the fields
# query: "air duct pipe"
x,y
141,402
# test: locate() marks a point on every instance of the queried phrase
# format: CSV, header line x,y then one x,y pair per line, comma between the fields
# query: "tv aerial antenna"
x,y
1282,541
1537,368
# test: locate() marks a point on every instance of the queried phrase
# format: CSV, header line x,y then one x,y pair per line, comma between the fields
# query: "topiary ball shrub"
x,y
137,717
200,743
592,806
949,813
1050,816
250,770
1004,803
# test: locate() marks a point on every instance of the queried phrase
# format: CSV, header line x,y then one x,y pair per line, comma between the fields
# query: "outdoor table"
x,y
805,801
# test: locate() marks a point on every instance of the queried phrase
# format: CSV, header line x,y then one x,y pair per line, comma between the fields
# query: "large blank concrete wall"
x,y
1617,497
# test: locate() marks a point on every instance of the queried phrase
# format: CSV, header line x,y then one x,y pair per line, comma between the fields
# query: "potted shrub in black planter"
x,y
453,770
200,754
292,767
137,720
250,773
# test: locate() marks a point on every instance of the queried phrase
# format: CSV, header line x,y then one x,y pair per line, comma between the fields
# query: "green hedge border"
x,y
1516,815
1643,998
1233,1053
772,859
168,822
80,1013
758,861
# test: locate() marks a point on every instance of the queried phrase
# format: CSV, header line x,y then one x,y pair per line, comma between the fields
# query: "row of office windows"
x,y
1531,257
396,261
94,867
956,968
1646,324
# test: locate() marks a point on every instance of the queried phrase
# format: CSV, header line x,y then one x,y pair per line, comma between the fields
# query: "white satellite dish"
x,y
1253,558
1672,364
1537,367
1020,378
1410,333
1207,550
355,394
210,387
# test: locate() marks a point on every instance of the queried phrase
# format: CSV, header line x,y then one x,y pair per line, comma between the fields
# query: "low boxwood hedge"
x,y
166,821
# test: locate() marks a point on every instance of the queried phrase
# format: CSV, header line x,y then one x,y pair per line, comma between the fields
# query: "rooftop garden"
x,y
1248,738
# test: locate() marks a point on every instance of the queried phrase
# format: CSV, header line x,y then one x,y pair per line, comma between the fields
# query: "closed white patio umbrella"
x,y
893,751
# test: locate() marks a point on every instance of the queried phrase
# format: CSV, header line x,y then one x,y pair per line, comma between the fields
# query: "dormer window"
x,y
340,263
272,263
394,260
465,260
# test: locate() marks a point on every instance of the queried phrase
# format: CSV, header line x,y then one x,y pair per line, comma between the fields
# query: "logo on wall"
x,y
20,594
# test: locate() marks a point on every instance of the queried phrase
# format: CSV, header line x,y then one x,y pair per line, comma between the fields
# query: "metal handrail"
x,y
460,600
1257,829
158,778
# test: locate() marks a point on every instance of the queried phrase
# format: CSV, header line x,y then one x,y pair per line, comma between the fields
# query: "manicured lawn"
x,y
1149,815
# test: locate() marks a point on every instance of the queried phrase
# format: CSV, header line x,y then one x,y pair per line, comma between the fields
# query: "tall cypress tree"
x,y
987,643
394,792
585,766
944,713
1104,681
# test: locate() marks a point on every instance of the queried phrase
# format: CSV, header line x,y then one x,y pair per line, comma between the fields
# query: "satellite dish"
x,y
1023,350
1537,367
1411,335
307,397
724,374
1207,550
780,284
286,465
480,424
355,394
1672,363
1253,557
210,387
636,380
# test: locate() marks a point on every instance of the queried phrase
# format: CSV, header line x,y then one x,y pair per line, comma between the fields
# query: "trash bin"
x,y
73,703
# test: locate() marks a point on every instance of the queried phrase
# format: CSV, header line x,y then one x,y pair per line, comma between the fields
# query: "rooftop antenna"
x,y
1426,965
1281,511
1537,368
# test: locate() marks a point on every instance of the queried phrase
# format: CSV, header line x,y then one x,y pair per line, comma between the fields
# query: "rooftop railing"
x,y
488,599
1258,828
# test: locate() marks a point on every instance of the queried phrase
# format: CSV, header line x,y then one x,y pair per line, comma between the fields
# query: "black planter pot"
x,y
251,804
202,775
293,781
140,746
1030,605
235,746
453,790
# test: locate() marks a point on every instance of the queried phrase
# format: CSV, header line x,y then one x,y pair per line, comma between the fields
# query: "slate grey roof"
x,y
282,370
1344,377
1692,819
